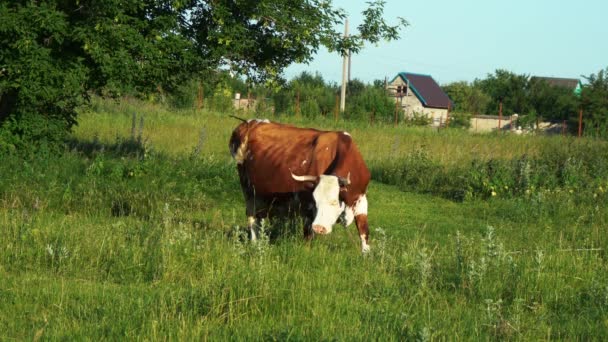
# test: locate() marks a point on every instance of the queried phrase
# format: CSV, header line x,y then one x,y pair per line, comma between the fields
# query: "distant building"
x,y
571,83
420,95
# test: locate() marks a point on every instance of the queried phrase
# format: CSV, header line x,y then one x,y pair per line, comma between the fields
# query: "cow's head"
x,y
327,200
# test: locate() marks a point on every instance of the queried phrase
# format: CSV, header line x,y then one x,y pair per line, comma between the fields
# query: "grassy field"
x,y
119,239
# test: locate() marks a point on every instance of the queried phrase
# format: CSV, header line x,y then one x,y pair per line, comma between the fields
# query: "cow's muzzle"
x,y
319,229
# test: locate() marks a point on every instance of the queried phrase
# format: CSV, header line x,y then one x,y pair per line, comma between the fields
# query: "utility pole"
x,y
344,71
349,64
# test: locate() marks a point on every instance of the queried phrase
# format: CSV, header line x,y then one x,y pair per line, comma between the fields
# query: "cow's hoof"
x,y
365,249
319,230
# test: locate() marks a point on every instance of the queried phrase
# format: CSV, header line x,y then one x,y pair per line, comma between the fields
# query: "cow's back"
x,y
269,153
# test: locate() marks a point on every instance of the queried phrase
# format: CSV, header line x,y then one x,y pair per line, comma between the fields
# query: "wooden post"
x,y
396,112
447,115
499,115
298,104
199,96
564,128
580,122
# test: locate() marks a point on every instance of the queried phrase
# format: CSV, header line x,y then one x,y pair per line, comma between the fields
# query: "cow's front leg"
x,y
252,221
308,232
363,227
253,228
360,212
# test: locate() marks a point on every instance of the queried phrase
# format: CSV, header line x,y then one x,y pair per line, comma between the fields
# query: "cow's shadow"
x,y
273,229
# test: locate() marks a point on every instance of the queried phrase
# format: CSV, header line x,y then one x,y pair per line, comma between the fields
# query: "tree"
x,y
314,95
467,98
551,102
508,88
594,101
371,100
53,53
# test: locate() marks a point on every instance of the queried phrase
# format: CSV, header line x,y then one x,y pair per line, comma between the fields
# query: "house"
x,y
420,95
571,83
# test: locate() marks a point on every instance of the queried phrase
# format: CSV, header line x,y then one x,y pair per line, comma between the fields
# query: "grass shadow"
x,y
122,147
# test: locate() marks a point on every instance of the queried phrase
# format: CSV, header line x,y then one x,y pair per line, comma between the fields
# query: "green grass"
x,y
115,240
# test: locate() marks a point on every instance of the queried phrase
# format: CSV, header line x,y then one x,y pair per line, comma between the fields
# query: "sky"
x,y
469,39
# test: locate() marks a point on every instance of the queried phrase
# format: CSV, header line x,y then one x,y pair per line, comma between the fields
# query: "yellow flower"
x,y
493,193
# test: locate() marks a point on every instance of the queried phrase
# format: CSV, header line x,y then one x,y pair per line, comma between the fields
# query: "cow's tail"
x,y
236,117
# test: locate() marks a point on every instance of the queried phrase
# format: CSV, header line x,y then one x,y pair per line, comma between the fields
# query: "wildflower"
x,y
493,193
571,191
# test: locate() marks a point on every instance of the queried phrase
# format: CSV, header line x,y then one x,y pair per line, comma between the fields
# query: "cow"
x,y
319,173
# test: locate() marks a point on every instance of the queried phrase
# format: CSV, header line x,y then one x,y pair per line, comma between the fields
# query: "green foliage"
x,y
551,102
307,95
460,120
594,101
369,101
572,167
416,119
54,53
467,97
508,88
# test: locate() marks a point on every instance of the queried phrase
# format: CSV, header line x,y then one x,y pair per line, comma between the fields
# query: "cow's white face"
x,y
327,200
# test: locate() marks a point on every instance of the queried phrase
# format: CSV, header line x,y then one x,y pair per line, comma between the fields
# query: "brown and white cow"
x,y
320,174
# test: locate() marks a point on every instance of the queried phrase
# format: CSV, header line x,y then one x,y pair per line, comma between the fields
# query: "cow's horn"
x,y
306,178
344,181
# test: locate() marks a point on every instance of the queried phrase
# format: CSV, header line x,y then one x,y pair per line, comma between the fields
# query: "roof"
x,y
571,83
426,89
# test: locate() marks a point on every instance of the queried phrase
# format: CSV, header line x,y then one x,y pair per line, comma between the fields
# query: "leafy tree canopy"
x,y
594,102
54,52
508,88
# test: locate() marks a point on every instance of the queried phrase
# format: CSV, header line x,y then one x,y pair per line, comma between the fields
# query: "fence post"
x,y
447,115
580,122
499,115
199,96
298,104
396,112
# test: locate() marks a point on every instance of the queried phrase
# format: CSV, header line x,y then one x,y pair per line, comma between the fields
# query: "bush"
x,y
371,101
417,119
460,120
579,168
